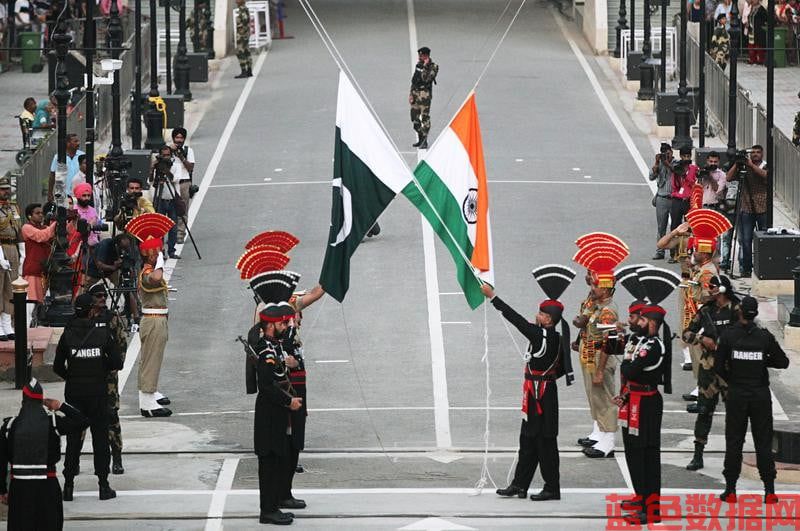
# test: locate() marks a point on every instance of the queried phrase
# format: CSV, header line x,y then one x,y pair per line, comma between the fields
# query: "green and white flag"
x,y
367,175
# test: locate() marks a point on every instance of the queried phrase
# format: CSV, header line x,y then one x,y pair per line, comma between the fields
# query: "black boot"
x,y
512,490
116,462
769,492
424,143
420,138
106,492
245,73
697,461
69,488
729,494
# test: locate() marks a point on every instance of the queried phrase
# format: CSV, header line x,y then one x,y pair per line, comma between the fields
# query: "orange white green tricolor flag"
x,y
453,177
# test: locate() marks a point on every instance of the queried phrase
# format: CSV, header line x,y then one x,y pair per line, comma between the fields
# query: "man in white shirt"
x,y
182,170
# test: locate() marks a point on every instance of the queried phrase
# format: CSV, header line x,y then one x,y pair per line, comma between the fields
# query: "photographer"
x,y
684,175
134,204
182,171
751,172
714,182
114,260
661,172
165,196
38,237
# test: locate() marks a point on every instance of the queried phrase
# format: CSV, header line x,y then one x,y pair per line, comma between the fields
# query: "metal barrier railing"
x,y
751,126
31,178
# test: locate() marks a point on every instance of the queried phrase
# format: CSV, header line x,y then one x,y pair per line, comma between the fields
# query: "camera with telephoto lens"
x,y
742,156
131,200
84,228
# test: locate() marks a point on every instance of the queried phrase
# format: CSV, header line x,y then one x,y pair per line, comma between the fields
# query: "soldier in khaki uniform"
x,y
9,257
599,253
243,39
421,94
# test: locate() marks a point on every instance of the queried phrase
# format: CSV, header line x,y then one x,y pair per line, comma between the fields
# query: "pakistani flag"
x,y
456,199
367,174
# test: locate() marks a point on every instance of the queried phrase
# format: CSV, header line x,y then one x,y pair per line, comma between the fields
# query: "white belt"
x,y
155,311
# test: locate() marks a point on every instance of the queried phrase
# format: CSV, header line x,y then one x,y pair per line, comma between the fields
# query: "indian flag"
x,y
368,173
456,199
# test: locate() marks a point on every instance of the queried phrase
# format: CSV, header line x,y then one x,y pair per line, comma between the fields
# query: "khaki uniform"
x,y
421,95
114,428
591,345
9,238
693,293
153,330
243,39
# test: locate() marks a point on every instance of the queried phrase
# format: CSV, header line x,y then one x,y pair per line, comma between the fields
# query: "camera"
x,y
193,189
84,228
680,166
180,151
742,156
163,164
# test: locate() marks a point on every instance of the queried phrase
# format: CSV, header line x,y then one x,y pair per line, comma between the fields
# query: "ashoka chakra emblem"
x,y
470,206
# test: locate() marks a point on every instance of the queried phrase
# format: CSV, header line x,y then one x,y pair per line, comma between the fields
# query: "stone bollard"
x,y
21,364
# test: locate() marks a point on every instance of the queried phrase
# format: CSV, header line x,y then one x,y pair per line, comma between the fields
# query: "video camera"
x,y
742,156
84,228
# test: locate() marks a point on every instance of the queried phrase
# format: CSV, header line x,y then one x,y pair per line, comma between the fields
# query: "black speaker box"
x,y
775,255
665,106
140,164
174,110
634,60
198,67
786,445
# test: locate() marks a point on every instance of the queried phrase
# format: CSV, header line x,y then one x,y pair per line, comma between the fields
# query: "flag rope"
x,y
486,476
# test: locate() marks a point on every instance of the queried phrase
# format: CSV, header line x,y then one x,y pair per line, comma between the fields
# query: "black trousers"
x,y
678,209
537,451
756,408
291,465
273,476
35,505
644,464
96,408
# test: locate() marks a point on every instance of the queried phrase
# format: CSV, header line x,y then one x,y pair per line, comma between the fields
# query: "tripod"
x,y
162,180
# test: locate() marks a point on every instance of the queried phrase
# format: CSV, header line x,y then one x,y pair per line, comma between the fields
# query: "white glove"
x,y
160,261
5,264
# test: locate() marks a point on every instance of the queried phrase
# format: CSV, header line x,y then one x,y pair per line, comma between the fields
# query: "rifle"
x,y
248,350
250,382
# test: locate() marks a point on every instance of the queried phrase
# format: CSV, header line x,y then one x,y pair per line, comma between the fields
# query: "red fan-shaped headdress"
x,y
601,256
706,225
282,241
149,229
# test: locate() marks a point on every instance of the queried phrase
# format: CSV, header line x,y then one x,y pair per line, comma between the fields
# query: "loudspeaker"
x,y
786,445
140,164
665,106
198,67
634,60
775,255
174,110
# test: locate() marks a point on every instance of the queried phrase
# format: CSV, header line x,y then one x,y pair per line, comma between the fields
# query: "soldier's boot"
x,y
245,73
106,492
69,488
769,491
697,461
729,494
420,138
116,462
424,143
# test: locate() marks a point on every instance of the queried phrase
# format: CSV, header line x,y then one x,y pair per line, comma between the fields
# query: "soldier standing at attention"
x,y
243,39
420,95
9,257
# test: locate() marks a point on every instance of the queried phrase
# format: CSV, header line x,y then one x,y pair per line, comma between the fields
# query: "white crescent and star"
x,y
347,209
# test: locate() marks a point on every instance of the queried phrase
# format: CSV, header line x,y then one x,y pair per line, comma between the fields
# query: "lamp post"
x,y
89,43
646,69
136,102
735,35
662,78
682,111
168,45
116,161
770,147
153,119
622,24
701,77
58,303
794,315
181,60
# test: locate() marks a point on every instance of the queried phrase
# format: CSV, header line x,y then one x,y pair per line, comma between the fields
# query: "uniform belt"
x,y
8,241
540,377
155,311
665,196
636,388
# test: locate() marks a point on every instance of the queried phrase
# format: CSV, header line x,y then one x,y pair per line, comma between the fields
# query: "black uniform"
x,y
272,429
85,355
641,415
32,440
710,321
538,445
742,357
292,346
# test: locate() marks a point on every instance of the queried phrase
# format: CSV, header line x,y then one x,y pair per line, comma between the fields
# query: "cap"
x,y
553,308
749,307
554,280
5,182
637,306
276,312
33,390
83,303
424,50
654,311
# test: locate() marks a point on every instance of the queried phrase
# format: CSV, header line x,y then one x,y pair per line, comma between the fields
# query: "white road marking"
x,y
441,412
491,181
623,468
221,490
433,523
278,169
451,293
132,353
519,160
777,410
587,176
331,361
456,322
576,169
612,115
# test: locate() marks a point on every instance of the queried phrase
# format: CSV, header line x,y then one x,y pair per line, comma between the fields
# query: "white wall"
x,y
595,24
223,27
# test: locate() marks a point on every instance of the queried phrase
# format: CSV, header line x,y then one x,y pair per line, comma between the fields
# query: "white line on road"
x,y
441,412
451,293
133,350
331,361
582,183
612,115
623,468
491,181
456,322
221,490
777,409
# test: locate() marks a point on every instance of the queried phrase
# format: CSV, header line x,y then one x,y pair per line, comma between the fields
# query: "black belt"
x,y
642,388
8,241
665,196
540,377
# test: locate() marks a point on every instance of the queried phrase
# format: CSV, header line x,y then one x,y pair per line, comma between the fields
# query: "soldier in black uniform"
x,y
84,356
275,400
716,315
547,360
744,353
31,444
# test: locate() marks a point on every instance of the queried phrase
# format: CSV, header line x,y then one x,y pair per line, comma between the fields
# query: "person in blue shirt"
x,y
73,165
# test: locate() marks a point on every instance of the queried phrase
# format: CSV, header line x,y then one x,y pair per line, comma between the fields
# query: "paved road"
x,y
558,169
